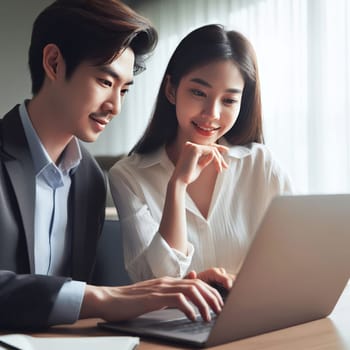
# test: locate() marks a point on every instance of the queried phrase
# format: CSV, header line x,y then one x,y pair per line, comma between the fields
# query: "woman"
x,y
194,188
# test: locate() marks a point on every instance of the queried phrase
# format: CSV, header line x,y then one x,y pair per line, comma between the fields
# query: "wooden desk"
x,y
332,332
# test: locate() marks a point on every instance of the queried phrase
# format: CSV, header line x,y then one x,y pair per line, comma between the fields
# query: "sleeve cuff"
x,y
165,261
67,306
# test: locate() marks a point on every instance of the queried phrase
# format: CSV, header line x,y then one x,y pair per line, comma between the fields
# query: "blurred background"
x,y
303,50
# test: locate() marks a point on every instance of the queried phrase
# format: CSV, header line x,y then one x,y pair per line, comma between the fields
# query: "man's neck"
x,y
47,126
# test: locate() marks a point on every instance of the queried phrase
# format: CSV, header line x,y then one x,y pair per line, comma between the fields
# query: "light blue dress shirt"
x,y
52,236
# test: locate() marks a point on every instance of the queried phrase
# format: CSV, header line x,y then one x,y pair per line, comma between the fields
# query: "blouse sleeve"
x,y
281,180
146,254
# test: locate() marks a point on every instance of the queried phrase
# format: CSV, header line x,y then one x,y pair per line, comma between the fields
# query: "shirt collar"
x,y
236,151
70,157
160,156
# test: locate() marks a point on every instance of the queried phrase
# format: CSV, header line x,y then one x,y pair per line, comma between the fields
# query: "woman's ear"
x,y
170,91
52,59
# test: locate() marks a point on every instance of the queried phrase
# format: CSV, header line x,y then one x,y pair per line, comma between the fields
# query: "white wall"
x,y
16,19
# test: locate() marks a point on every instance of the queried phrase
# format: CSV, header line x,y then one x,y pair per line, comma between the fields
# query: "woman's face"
x,y
207,102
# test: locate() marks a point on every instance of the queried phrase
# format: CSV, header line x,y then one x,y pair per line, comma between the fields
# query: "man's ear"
x,y
52,60
170,91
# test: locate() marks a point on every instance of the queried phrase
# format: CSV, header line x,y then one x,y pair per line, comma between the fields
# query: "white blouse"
x,y
241,195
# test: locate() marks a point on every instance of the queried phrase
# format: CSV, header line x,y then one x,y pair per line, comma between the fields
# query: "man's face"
x,y
93,96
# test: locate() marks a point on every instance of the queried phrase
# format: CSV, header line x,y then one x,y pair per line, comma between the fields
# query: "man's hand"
x,y
127,302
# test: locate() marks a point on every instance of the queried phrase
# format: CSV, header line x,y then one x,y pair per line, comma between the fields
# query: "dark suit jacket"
x,y
27,299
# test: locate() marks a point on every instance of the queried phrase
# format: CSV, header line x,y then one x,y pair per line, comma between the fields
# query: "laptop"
x,y
296,269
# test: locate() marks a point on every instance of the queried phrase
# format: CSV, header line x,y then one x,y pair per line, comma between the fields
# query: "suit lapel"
x,y
19,166
78,219
86,215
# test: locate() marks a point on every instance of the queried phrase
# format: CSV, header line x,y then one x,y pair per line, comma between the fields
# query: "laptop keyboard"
x,y
186,326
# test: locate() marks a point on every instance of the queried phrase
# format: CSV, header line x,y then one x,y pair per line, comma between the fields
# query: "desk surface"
x,y
332,332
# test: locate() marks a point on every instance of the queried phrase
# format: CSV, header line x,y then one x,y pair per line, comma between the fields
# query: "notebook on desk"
x,y
295,271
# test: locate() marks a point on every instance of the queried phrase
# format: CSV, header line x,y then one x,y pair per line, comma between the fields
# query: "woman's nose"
x,y
211,110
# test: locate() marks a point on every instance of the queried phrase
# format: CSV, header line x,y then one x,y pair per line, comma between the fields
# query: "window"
x,y
303,50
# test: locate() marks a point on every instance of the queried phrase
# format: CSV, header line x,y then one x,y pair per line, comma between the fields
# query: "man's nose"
x,y
113,104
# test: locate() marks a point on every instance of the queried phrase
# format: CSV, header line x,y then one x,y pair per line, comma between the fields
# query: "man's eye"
x,y
106,82
124,92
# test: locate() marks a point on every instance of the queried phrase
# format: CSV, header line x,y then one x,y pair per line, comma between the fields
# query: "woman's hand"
x,y
194,158
214,275
127,302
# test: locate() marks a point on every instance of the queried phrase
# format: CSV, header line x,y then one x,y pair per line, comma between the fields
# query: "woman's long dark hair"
x,y
200,47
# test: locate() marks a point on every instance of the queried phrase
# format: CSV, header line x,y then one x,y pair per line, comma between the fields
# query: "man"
x,y
82,57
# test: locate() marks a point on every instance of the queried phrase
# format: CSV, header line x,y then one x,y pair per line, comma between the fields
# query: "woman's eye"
x,y
196,92
230,101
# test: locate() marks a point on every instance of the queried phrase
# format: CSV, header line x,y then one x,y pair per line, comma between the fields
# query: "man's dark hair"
x,y
89,30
